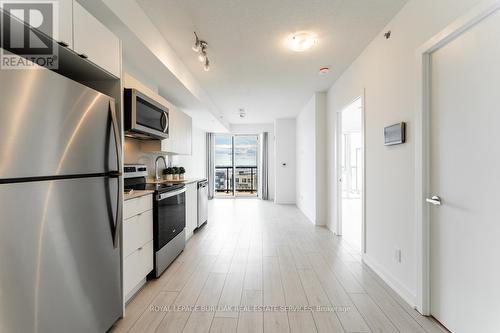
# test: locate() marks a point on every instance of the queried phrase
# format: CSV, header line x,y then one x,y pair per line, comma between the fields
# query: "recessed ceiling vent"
x,y
242,113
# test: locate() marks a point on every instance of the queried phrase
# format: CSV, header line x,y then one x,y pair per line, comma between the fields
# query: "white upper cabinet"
x,y
62,22
179,136
65,20
92,40
78,30
179,141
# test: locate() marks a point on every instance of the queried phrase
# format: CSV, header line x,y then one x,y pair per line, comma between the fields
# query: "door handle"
x,y
164,121
435,200
117,174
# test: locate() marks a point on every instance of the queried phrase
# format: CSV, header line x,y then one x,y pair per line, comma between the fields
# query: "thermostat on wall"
x,y
395,134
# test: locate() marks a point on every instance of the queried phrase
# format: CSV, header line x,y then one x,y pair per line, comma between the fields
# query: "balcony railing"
x,y
245,178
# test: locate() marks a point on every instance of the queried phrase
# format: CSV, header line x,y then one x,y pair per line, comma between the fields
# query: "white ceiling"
x,y
250,67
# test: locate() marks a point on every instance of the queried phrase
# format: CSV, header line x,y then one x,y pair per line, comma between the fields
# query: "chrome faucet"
x,y
157,177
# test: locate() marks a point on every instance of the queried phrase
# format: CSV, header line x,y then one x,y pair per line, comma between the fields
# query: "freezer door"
x,y
59,270
51,125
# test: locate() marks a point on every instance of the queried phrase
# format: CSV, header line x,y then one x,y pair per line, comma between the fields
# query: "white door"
x,y
465,174
351,174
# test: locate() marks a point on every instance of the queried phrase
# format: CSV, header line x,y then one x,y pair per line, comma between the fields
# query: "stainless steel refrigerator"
x,y
60,205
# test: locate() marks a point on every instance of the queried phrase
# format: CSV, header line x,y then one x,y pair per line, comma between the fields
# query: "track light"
x,y
201,47
196,46
202,57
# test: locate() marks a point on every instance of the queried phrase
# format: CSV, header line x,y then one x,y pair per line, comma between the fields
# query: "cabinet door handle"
x,y
63,44
83,55
435,200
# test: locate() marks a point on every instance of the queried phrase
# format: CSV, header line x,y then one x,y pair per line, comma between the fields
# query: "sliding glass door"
x,y
245,164
236,170
224,166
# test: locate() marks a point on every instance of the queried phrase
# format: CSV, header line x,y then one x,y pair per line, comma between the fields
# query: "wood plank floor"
x,y
255,255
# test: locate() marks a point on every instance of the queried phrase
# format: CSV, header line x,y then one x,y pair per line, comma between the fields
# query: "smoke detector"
x,y
324,70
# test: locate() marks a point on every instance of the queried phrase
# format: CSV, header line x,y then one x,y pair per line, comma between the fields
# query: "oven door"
x,y
170,218
145,117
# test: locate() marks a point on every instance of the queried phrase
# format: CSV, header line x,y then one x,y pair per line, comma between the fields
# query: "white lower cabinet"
x,y
137,206
191,208
137,231
137,243
136,267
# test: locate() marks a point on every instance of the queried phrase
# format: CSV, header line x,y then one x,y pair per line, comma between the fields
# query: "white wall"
x,y
310,155
320,135
285,148
387,71
306,160
258,129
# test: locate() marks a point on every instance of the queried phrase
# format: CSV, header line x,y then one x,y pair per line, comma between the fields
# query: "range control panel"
x,y
135,170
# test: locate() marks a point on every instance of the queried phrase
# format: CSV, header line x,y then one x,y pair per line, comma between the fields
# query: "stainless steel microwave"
x,y
145,118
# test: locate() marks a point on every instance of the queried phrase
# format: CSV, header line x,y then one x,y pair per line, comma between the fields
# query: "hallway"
x,y
255,253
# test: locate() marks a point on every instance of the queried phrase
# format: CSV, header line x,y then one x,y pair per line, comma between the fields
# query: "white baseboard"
x,y
284,202
407,295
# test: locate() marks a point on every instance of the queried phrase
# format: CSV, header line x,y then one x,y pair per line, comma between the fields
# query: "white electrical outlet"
x,y
397,255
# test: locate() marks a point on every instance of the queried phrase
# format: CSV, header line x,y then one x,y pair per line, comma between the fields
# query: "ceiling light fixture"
x,y
301,41
202,57
201,47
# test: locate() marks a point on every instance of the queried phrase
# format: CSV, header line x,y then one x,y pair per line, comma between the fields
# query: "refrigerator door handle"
x,y
117,174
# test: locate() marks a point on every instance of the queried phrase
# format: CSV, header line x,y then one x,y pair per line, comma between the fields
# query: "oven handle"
x,y
163,196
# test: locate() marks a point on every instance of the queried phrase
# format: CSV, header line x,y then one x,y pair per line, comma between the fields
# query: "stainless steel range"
x,y
169,215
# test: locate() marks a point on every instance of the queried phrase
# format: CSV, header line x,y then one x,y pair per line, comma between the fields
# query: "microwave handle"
x,y
164,121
